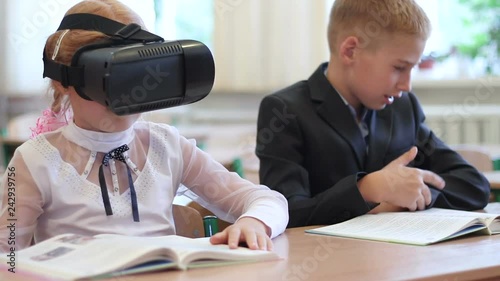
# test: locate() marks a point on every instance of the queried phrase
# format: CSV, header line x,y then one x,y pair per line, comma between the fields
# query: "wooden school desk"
x,y
317,257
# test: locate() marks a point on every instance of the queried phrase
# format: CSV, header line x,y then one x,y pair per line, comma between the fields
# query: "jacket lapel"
x,y
332,109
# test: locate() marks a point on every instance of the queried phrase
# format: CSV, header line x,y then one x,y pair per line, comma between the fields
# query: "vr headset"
x,y
133,70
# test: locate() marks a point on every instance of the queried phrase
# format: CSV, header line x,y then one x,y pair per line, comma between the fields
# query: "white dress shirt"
x,y
57,188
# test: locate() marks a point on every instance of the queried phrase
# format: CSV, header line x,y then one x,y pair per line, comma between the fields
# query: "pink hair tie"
x,y
51,121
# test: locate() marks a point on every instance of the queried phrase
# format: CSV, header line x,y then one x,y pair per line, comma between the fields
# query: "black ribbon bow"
x,y
117,154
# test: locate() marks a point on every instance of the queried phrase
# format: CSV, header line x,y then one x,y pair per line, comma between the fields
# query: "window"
x,y
27,28
185,19
448,22
456,36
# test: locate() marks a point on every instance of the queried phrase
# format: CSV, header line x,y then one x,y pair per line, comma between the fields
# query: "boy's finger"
x,y
433,179
406,157
426,193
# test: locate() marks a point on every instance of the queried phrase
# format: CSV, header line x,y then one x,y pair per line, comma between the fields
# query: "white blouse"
x,y
56,185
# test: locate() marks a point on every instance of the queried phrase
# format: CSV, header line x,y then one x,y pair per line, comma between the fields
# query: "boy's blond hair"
x,y
369,19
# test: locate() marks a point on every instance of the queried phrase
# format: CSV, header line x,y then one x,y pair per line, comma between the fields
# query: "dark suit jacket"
x,y
312,151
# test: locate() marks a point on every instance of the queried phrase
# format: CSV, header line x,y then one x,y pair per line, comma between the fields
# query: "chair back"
x,y
188,221
476,155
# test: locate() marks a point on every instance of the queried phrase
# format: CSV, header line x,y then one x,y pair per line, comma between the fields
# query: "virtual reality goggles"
x,y
133,70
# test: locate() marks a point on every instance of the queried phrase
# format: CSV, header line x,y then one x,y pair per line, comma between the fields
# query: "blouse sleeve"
x,y
226,194
20,205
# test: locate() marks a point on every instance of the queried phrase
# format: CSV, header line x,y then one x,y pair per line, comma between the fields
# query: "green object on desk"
x,y
237,166
496,165
201,145
211,226
496,195
496,192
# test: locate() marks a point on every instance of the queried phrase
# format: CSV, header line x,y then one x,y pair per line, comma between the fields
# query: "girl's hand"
x,y
250,230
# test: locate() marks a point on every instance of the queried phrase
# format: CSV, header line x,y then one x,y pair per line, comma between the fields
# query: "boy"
x,y
352,139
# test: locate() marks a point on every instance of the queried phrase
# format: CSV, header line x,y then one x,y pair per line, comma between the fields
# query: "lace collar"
x,y
98,141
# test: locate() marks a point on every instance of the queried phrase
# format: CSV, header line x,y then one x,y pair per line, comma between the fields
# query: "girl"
x,y
104,173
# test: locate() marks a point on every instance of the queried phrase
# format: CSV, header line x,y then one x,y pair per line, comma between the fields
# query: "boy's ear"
x,y
347,50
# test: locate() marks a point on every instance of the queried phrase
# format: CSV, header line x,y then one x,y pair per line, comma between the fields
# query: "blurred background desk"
x,y
494,179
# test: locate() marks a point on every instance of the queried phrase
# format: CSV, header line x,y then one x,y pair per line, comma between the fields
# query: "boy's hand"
x,y
385,207
400,185
250,230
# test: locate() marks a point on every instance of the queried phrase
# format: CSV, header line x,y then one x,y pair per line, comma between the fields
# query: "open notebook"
x,y
76,257
417,228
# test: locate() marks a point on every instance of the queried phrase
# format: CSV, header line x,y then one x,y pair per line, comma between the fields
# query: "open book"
x,y
417,228
75,257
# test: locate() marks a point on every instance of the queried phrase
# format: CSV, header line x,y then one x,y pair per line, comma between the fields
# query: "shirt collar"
x,y
364,111
97,141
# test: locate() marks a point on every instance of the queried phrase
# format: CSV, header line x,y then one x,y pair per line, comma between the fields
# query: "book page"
x,y
458,213
200,252
71,256
491,220
402,227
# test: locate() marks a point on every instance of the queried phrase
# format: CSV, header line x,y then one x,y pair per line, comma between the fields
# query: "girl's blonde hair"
x,y
368,19
74,39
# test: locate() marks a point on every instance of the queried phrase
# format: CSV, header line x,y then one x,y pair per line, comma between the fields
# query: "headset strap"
x,y
67,75
109,27
120,34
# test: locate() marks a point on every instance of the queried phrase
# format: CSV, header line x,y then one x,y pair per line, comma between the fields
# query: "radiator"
x,y
459,124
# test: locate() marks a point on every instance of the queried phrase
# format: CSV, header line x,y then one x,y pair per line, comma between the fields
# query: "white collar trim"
x,y
98,141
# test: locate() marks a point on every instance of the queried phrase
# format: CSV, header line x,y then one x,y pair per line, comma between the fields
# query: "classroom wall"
x,y
240,107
